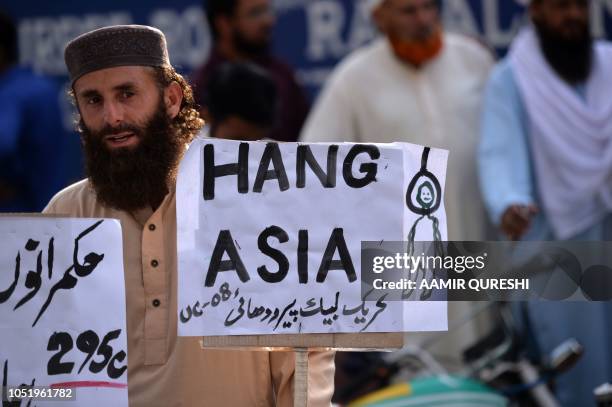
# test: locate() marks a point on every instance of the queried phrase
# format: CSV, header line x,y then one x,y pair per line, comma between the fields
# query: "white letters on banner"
x,y
269,236
62,311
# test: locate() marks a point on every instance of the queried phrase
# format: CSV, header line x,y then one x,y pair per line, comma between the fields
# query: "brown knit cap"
x,y
118,45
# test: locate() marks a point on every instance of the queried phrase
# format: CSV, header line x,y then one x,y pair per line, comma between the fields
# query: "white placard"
x,y
424,166
62,308
255,220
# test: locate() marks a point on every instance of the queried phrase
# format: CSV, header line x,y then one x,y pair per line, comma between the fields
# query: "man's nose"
x,y
113,114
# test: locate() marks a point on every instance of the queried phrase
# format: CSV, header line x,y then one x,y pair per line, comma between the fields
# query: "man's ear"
x,y
77,116
173,97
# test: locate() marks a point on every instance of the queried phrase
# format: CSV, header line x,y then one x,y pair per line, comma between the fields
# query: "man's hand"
x,y
516,220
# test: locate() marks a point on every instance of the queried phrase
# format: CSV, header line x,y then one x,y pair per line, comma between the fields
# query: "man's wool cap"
x,y
118,45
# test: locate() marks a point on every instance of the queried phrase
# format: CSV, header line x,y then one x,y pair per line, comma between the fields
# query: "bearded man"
x,y
137,116
546,163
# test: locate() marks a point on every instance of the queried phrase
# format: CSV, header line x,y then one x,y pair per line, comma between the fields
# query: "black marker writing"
x,y
225,246
272,167
285,317
88,343
5,398
81,270
305,156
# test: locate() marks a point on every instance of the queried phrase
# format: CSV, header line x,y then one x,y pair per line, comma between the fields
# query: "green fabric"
x,y
446,391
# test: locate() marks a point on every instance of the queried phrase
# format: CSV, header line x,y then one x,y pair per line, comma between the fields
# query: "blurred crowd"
x,y
529,135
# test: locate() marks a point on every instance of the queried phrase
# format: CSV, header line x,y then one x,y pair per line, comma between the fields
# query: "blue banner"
x,y
311,35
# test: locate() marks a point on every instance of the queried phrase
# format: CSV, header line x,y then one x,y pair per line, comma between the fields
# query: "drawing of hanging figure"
x,y
424,197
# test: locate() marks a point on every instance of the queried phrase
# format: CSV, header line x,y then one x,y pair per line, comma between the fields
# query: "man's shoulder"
x,y
468,46
502,84
200,76
69,199
362,61
363,57
279,65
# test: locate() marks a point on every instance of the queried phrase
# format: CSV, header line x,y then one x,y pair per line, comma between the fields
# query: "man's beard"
x,y
417,53
571,58
249,47
131,179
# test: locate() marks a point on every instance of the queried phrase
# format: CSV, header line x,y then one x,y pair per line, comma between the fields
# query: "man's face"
x,y
408,20
568,19
252,25
116,104
131,147
564,34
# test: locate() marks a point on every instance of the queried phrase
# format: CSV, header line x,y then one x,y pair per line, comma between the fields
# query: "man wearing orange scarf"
x,y
418,84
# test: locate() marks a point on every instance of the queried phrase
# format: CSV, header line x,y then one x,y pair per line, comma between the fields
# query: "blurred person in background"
x,y
417,83
240,102
242,31
31,133
545,161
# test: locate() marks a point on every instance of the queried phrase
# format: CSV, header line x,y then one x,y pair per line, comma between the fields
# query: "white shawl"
x,y
571,136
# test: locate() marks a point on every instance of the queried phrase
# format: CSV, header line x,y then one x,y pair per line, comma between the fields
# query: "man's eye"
x,y
126,94
93,100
